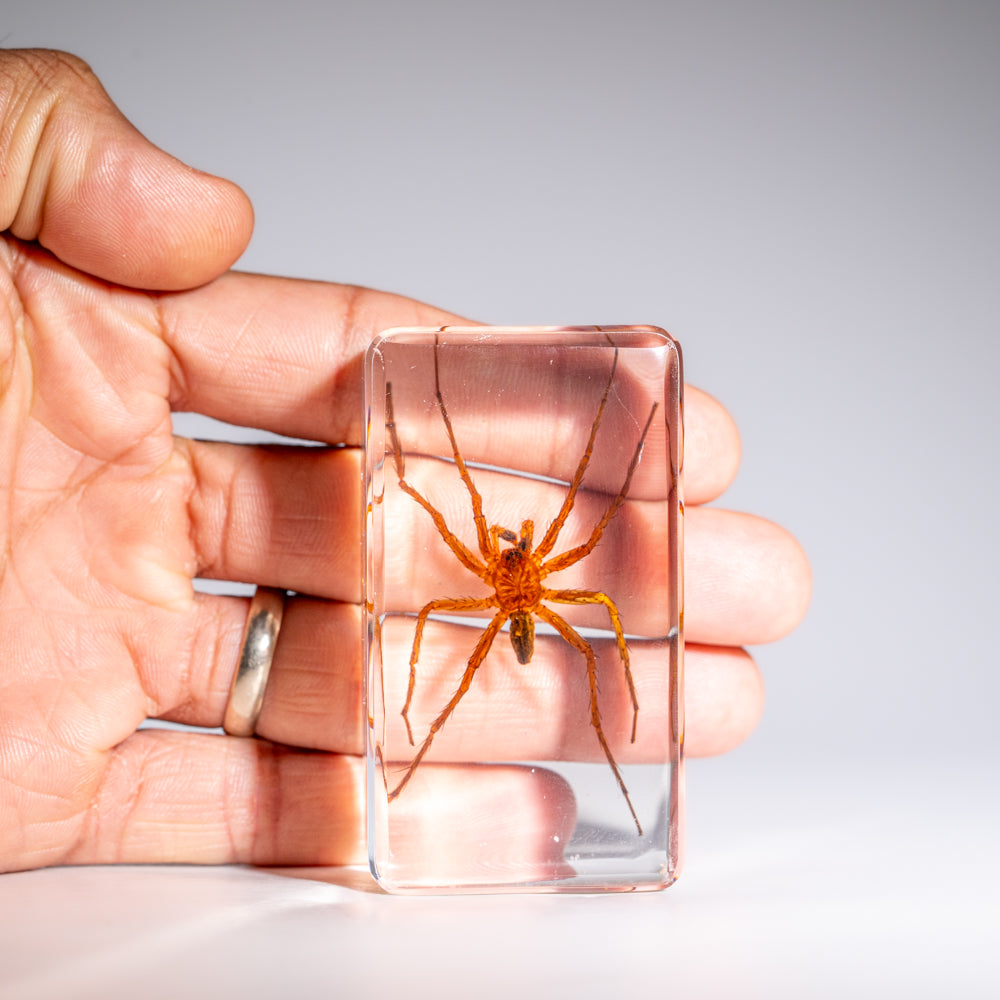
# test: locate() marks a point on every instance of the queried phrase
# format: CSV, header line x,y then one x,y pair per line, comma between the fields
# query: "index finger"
x,y
286,356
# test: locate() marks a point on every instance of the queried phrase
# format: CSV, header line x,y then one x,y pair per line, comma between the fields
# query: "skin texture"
x,y
117,306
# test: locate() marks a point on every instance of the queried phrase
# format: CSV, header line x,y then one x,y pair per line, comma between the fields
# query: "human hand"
x,y
119,308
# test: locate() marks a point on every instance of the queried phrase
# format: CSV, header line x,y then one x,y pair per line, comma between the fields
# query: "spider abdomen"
x,y
522,635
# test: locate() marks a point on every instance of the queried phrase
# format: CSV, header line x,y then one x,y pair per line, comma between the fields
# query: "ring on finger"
x,y
260,636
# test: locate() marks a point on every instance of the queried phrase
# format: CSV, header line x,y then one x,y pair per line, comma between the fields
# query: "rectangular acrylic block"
x,y
523,595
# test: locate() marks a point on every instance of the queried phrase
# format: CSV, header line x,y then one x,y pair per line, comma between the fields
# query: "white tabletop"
x,y
877,886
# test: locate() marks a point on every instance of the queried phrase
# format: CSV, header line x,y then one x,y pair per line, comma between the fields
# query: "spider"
x,y
514,568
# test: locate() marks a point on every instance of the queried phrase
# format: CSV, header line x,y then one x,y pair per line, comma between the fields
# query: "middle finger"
x,y
289,517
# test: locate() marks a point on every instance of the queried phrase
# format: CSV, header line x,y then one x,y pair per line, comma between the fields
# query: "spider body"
x,y
515,572
516,578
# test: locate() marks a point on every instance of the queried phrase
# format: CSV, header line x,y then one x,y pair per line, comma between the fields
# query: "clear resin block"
x,y
523,595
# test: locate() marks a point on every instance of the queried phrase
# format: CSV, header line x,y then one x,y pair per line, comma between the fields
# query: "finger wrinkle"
x,y
177,392
30,113
209,518
264,818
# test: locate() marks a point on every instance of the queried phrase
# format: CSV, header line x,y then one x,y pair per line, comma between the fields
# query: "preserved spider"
x,y
514,569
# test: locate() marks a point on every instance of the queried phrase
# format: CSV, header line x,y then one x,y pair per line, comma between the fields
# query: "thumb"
x,y
79,179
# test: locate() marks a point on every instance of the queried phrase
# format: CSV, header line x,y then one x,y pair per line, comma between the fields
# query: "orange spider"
x,y
515,574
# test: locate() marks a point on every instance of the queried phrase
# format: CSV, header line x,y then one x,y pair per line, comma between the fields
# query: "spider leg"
x,y
578,642
475,661
444,604
482,534
571,556
546,544
461,550
596,597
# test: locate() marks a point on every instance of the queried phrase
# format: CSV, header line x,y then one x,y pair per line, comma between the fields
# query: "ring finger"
x,y
313,697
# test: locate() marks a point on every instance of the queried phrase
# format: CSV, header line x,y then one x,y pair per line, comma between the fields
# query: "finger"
x,y
711,447
541,711
286,356
313,697
280,354
281,517
746,578
289,517
723,699
536,405
480,824
313,694
533,408
169,796
79,179
182,797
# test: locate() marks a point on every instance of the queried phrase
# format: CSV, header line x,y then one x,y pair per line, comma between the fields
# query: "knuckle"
x,y
46,71
38,86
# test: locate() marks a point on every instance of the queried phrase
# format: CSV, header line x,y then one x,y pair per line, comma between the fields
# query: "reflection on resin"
x,y
523,595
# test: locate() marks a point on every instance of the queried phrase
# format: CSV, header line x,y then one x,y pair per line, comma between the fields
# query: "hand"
x,y
119,308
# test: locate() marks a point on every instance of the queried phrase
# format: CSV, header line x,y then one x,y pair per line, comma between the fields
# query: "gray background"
x,y
806,195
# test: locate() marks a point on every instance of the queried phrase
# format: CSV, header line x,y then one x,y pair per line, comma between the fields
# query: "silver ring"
x,y
260,636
